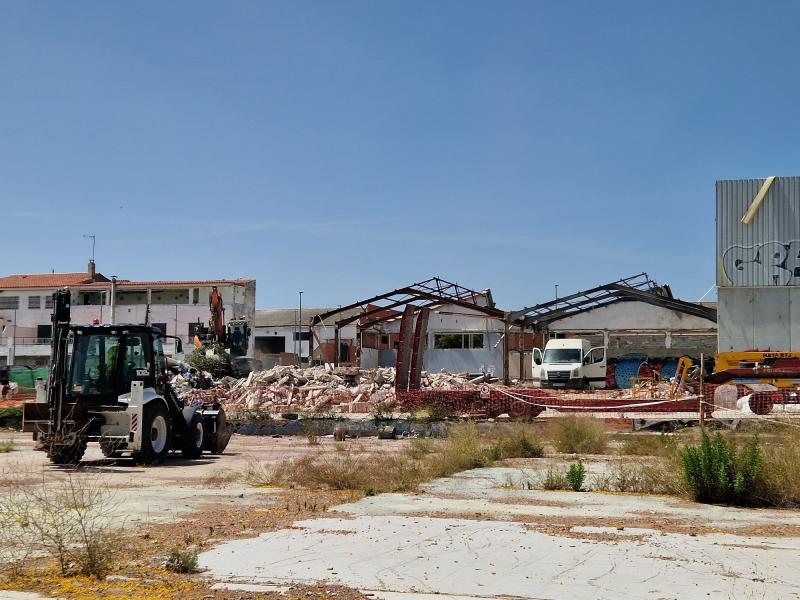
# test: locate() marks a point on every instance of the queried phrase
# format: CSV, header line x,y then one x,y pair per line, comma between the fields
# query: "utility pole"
x,y
300,330
556,296
12,349
113,299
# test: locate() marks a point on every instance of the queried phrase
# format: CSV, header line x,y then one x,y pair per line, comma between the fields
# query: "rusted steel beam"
x,y
404,350
418,351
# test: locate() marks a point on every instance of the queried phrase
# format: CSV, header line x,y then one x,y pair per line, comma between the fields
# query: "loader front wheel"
x,y
195,438
67,455
156,435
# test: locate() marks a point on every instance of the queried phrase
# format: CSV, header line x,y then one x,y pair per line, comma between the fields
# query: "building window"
x,y
34,302
303,336
44,332
458,341
271,344
9,302
162,327
48,302
90,298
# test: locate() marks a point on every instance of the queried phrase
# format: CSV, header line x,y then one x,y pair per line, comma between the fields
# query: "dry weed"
x,y
578,435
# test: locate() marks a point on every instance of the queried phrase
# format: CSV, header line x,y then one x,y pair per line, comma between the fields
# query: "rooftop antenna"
x,y
92,237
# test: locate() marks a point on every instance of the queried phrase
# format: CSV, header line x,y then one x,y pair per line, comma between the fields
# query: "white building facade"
x,y
177,307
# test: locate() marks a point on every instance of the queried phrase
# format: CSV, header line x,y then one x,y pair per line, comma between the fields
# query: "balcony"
x,y
26,346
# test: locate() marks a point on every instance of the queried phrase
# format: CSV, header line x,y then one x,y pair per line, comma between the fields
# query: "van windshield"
x,y
562,355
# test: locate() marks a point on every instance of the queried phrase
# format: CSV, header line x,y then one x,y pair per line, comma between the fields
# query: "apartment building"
x,y
177,307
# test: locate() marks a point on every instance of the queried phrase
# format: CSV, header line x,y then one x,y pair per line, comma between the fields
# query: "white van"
x,y
569,363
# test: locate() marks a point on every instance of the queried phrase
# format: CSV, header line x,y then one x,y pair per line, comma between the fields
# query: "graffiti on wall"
x,y
770,263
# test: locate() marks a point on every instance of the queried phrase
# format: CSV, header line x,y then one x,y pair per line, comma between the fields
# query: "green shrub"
x,y
11,417
6,446
717,472
578,435
218,364
576,476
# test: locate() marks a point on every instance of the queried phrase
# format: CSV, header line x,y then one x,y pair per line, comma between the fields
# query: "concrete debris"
x,y
289,389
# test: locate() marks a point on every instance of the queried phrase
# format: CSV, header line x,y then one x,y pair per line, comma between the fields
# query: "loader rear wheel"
x,y
156,435
67,455
194,439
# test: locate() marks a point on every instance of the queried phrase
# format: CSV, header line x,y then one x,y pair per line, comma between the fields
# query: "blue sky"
x,y
348,148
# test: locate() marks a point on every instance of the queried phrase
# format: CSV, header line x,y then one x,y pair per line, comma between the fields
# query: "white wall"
x,y
455,319
632,315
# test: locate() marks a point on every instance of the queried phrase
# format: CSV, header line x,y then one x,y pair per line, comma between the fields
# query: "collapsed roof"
x,y
429,293
636,288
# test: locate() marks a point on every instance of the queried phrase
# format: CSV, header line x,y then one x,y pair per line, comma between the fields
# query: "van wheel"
x,y
194,439
156,435
585,384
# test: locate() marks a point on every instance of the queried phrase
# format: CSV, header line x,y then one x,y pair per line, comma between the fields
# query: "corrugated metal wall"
x,y
758,266
767,251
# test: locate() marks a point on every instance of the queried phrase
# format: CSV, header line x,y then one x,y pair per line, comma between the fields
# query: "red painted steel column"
x,y
418,351
404,349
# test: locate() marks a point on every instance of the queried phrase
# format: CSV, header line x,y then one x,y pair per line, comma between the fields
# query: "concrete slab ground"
x,y
176,488
476,535
466,537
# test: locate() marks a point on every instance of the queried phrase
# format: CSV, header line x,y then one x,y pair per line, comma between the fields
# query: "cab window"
x,y
94,368
137,359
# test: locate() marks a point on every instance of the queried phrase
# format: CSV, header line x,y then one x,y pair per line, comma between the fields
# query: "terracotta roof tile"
x,y
56,280
45,280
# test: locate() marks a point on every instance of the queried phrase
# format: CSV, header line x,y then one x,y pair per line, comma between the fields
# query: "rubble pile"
x,y
289,389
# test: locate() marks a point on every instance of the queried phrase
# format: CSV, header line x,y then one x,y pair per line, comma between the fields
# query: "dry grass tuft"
x,y
644,444
425,459
67,520
658,476
779,480
578,435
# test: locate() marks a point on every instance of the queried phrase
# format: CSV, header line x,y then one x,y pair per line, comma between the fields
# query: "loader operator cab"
x,y
106,359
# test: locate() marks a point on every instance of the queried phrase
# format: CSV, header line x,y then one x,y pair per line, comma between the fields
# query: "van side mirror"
x,y
537,356
178,346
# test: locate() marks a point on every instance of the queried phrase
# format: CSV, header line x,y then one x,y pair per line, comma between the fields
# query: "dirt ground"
x,y
473,535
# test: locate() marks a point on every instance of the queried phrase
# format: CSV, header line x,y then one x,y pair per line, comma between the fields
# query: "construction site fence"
x,y
727,401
